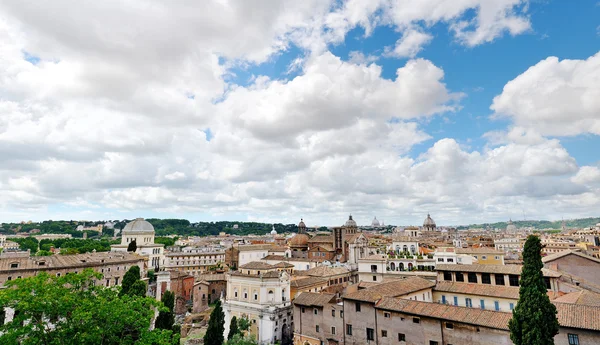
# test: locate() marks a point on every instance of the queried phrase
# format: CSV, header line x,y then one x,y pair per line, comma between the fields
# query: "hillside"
x,y
539,224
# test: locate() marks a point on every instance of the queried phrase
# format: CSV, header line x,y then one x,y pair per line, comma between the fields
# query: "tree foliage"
x,y
131,276
72,309
216,326
26,243
239,339
166,318
534,319
82,246
132,246
233,328
138,289
243,324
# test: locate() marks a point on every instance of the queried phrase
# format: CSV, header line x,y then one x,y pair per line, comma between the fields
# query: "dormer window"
x,y
14,265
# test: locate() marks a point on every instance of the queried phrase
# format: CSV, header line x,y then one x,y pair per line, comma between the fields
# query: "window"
x,y
245,295
449,260
373,268
387,315
401,337
348,329
255,296
317,328
547,282
443,299
475,256
459,277
431,342
447,276
235,295
455,300
374,278
370,334
357,306
383,333
315,311
468,302
341,313
485,278
14,265
500,279
483,257
332,330
496,257
416,320
497,305
511,306
333,313
482,304
449,325
9,278
440,259
513,280
573,339
472,277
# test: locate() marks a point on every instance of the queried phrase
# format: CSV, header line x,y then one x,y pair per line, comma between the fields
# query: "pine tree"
x,y
216,326
534,319
132,276
166,319
132,247
233,328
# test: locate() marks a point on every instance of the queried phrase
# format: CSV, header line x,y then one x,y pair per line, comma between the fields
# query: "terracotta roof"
x,y
563,253
325,271
481,268
212,277
578,316
583,297
325,246
283,265
311,299
391,289
257,265
377,257
322,238
479,289
250,247
278,249
68,261
308,281
473,316
274,257
480,250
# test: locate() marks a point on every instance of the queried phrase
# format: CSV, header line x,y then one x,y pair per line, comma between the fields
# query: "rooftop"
x,y
312,299
257,265
308,281
501,269
390,289
479,289
71,261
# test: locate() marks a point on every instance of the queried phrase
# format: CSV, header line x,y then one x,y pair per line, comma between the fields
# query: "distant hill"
x,y
538,224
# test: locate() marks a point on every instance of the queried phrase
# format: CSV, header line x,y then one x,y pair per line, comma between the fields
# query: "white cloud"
x,y
553,97
410,44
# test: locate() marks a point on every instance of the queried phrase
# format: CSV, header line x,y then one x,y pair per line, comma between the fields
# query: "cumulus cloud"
x,y
411,43
554,97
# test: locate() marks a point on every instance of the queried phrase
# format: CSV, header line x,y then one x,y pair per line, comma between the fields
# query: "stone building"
x,y
576,268
112,265
142,232
194,260
319,319
429,224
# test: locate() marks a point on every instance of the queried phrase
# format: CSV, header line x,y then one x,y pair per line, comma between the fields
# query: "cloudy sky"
x,y
472,110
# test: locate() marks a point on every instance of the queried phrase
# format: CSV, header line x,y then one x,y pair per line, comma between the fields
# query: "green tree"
x,y
130,277
137,289
534,319
43,253
233,328
132,247
72,309
238,339
216,326
243,324
166,319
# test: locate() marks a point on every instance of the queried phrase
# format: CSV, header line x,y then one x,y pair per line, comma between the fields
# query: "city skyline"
x,y
472,112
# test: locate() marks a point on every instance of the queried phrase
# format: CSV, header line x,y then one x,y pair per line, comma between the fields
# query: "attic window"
x,y
42,263
14,265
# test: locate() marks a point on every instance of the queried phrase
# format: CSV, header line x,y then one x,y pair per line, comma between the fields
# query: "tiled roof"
x,y
212,277
283,265
583,297
478,289
578,316
480,250
390,289
68,261
278,249
328,247
473,316
251,247
377,257
274,257
311,299
308,281
322,238
501,269
257,265
563,253
325,271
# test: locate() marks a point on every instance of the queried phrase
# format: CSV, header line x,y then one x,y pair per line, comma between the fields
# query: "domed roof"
x,y
428,221
510,226
273,231
350,222
299,240
139,224
375,222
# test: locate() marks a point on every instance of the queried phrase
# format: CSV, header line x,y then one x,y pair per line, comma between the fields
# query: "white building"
x,y
194,260
448,255
252,252
142,232
261,293
508,244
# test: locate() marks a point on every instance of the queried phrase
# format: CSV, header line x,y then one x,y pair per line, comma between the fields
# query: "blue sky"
x,y
276,112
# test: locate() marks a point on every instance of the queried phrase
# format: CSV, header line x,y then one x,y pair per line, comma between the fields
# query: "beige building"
x,y
194,260
112,265
261,293
319,319
142,232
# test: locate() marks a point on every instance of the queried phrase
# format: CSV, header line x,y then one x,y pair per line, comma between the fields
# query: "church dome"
x,y
299,240
301,224
350,222
273,231
428,221
139,224
510,227
375,222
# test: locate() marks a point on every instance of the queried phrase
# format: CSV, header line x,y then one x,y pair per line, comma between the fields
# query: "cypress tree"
x,y
132,276
534,319
216,326
166,319
233,328
132,247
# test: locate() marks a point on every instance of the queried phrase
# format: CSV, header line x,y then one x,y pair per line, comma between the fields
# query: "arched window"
x,y
410,266
271,296
392,266
412,248
405,248
401,266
